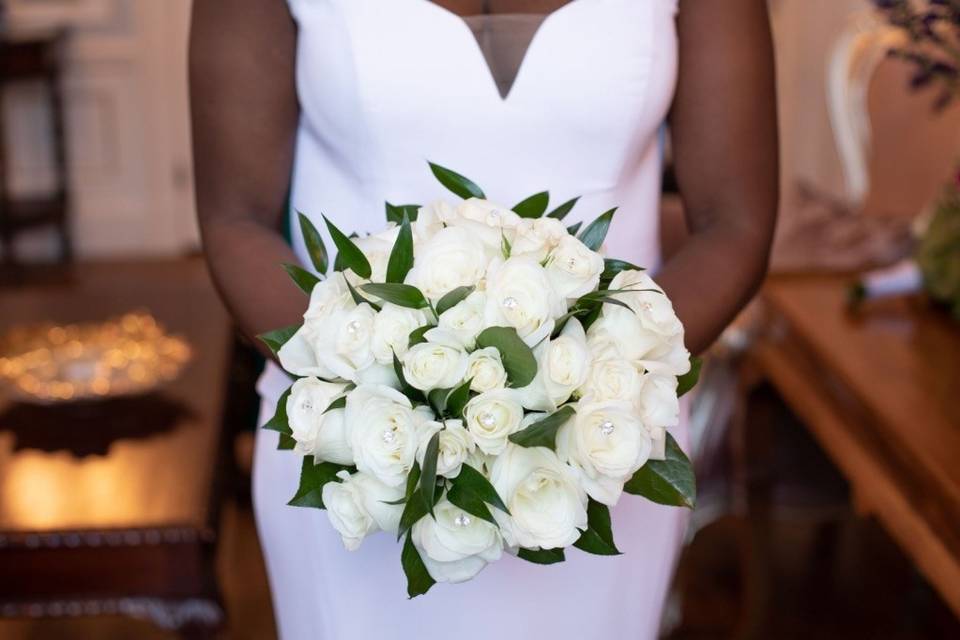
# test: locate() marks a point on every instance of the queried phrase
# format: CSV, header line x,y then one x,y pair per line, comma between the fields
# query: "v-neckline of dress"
x,y
479,55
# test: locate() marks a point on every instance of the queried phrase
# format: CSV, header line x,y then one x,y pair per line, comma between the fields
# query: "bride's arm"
x,y
245,112
724,133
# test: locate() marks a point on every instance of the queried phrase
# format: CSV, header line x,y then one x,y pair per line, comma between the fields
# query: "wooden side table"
x,y
35,58
119,515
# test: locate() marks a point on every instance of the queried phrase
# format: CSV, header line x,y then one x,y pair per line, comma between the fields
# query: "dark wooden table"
x,y
879,389
113,510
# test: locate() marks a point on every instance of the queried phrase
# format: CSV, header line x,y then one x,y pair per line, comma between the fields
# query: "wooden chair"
x,y
35,59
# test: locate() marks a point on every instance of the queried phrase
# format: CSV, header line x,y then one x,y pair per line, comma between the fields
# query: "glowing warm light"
x,y
125,355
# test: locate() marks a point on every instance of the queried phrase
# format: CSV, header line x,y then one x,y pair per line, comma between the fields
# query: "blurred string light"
x,y
62,363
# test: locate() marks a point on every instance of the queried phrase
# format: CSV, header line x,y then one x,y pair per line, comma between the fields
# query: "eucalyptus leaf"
x,y
401,257
594,235
403,295
349,255
471,503
456,183
472,481
453,298
313,477
542,556
598,537
279,337
543,433
688,381
279,421
517,358
395,212
534,206
670,481
314,241
561,212
428,477
418,578
301,277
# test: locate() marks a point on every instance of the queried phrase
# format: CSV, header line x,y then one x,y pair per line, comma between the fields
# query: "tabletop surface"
x,y
900,358
150,460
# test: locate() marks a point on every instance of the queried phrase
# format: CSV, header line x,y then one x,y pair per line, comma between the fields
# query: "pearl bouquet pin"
x,y
477,380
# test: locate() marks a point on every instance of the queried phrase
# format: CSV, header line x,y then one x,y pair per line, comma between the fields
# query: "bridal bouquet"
x,y
478,380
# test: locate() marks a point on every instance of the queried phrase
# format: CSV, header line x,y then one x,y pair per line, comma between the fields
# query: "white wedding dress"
x,y
385,86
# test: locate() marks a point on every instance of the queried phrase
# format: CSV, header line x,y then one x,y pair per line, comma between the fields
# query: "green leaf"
x,y
471,503
594,235
572,229
312,479
472,481
458,399
670,481
401,257
415,509
286,443
339,403
395,213
542,556
561,212
611,267
418,335
418,578
279,421
279,337
348,254
456,183
411,392
359,299
518,359
403,295
315,247
301,277
543,433
438,400
534,206
598,538
689,380
453,298
428,478
505,247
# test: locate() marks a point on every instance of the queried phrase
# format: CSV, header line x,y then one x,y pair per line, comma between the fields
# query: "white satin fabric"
x,y
384,86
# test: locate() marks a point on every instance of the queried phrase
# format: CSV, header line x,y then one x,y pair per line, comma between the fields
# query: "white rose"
x,y
520,296
487,222
318,434
658,402
613,379
456,546
465,319
452,258
391,331
431,219
485,370
455,446
341,341
649,331
607,443
573,269
384,432
329,297
439,363
537,237
491,417
377,248
378,373
357,507
547,506
562,366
